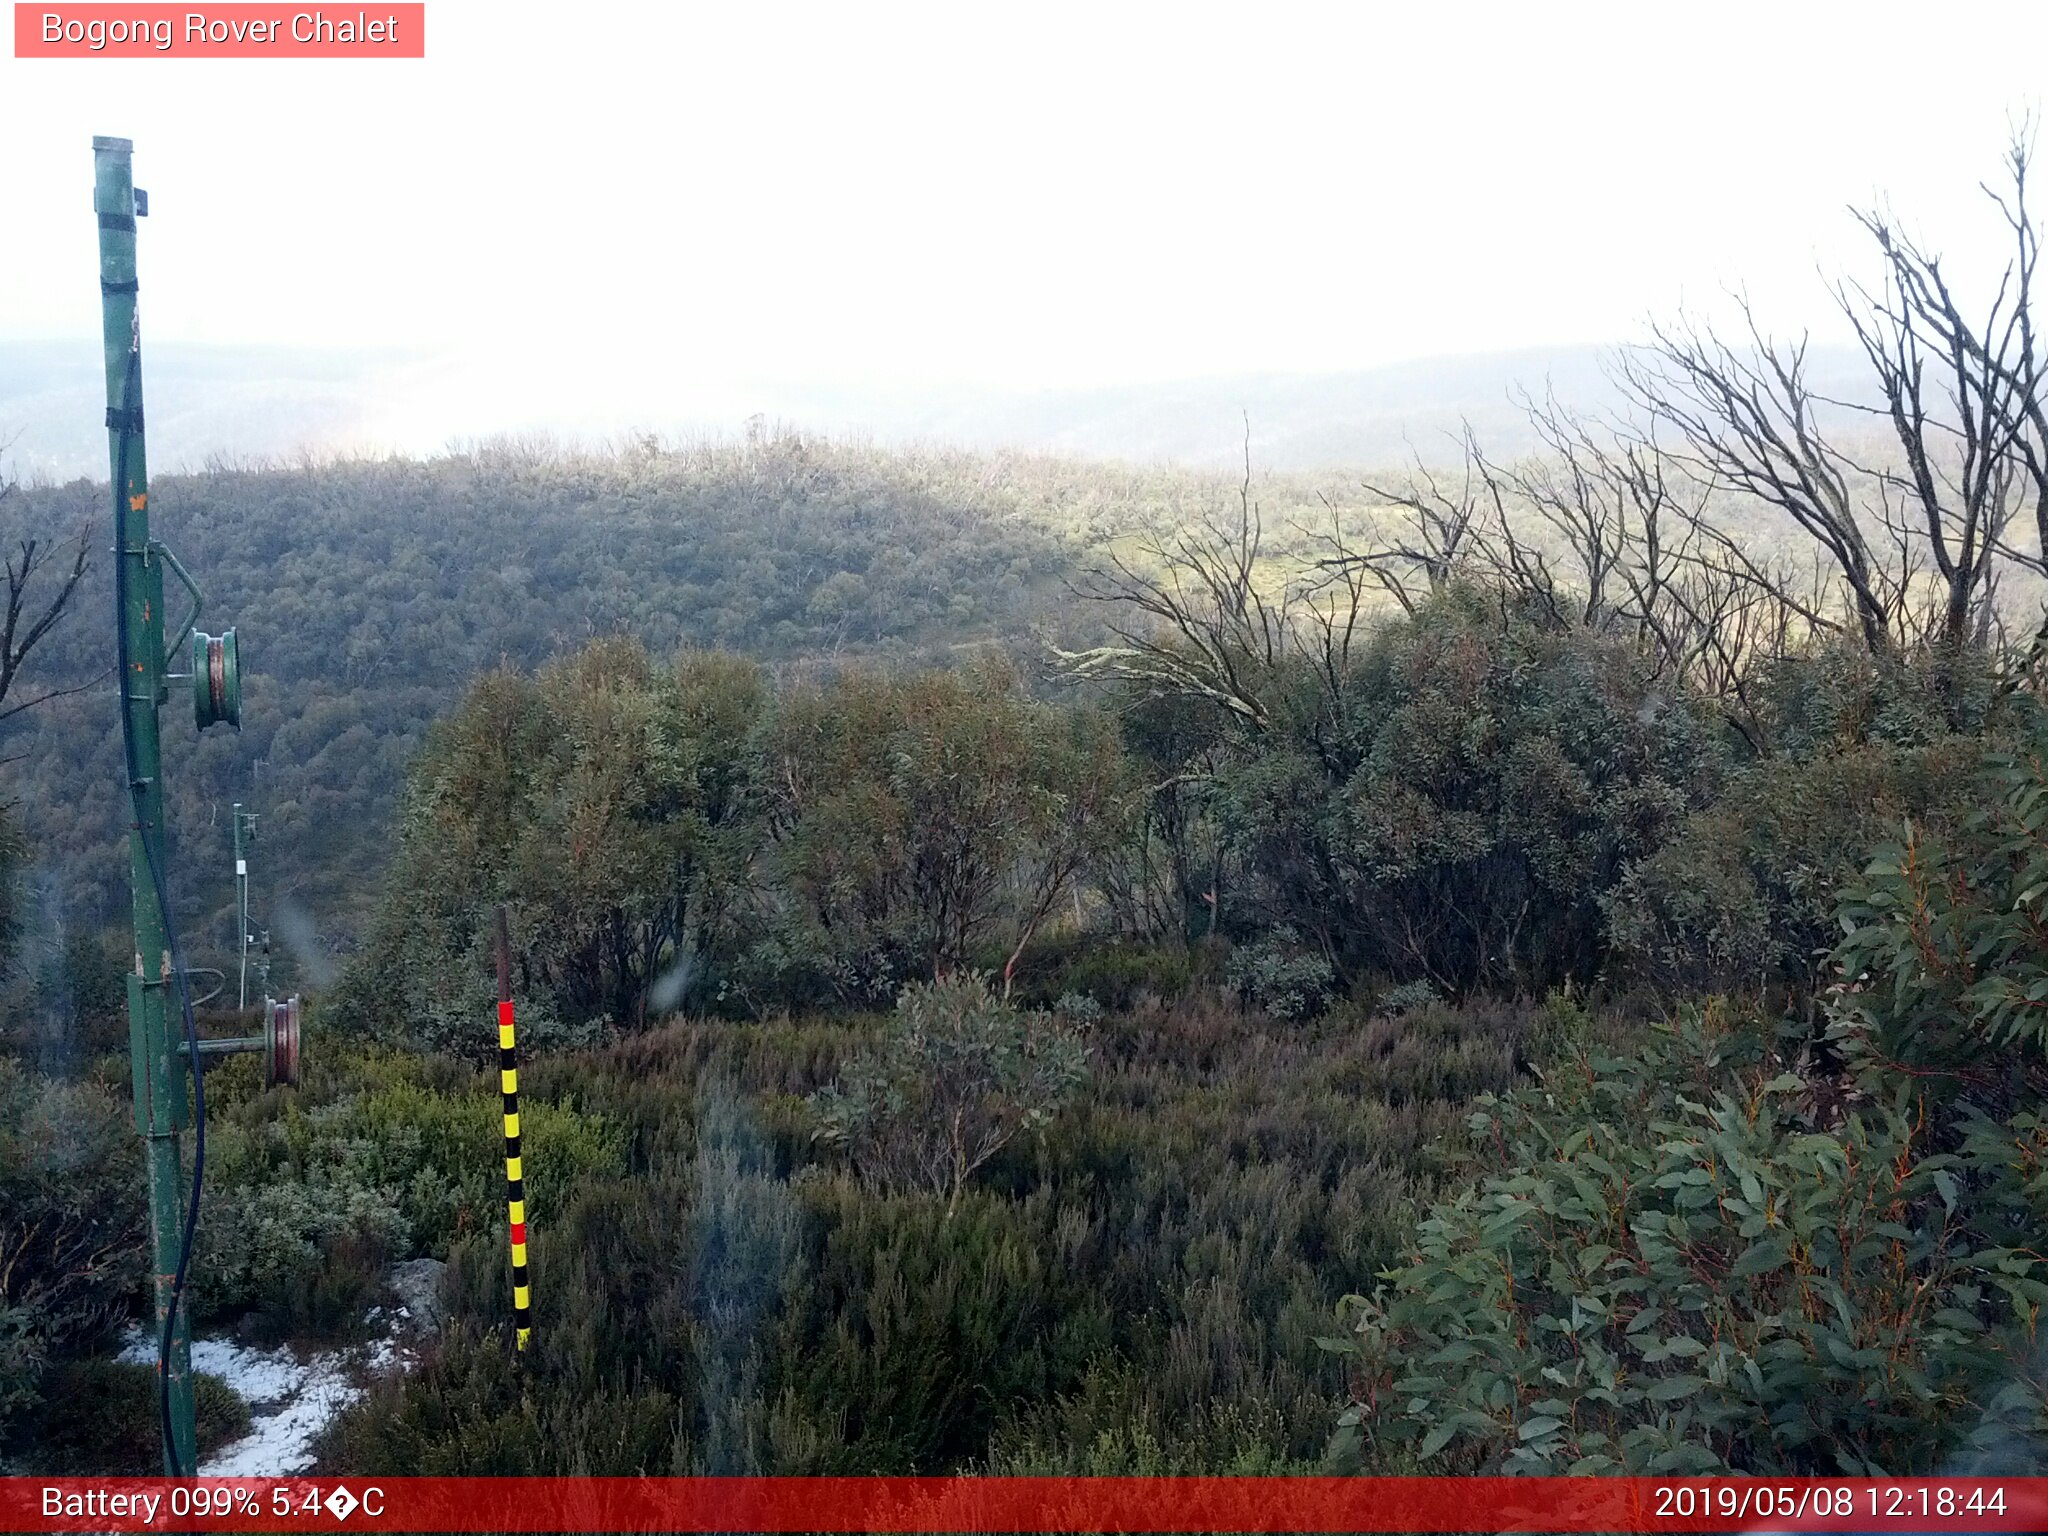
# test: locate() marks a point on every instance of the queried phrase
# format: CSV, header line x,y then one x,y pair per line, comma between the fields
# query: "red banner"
x,y
226,31
1025,1504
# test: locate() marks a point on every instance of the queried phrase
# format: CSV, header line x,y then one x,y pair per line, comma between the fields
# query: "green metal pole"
x,y
241,908
160,1083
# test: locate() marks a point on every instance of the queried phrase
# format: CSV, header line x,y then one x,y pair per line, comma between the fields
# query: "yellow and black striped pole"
x,y
515,1173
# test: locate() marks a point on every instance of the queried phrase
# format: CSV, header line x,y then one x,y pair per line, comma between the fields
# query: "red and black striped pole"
x,y
515,1174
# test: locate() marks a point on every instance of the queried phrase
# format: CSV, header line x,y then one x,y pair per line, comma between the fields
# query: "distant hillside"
x,y
367,594
202,402
368,591
243,403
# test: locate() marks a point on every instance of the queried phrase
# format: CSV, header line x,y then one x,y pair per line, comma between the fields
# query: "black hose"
x,y
163,902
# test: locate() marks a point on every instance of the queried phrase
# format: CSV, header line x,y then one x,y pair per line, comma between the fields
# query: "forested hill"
x,y
367,594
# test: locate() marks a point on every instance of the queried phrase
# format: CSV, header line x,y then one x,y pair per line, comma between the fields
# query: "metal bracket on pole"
x,y
192,589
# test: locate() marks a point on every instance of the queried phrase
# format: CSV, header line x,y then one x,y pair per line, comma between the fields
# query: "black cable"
x,y
129,425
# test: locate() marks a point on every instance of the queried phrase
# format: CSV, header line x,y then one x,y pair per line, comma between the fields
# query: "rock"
x,y
417,1285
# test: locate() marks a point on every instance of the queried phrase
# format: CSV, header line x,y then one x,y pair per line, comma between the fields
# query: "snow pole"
x,y
515,1176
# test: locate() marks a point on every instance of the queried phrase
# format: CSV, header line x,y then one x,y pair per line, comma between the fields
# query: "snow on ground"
x,y
290,1400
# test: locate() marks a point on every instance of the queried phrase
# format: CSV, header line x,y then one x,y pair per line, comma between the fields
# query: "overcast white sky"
x,y
1019,195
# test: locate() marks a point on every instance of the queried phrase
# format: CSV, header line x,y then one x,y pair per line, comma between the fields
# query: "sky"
x,y
617,200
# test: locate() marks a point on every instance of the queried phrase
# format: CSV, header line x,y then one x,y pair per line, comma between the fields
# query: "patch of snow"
x,y
290,1401
282,1442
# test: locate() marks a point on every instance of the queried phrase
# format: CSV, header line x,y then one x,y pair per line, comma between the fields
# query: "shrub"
x,y
1115,975
24,1352
613,803
919,1325
307,1254
925,817
72,1229
308,1204
1405,997
1674,1275
1946,953
102,1419
442,1154
1141,1290
1456,804
1279,975
1744,895
957,1075
1840,696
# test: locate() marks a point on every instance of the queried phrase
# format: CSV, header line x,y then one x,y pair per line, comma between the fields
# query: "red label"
x,y
231,31
1027,1504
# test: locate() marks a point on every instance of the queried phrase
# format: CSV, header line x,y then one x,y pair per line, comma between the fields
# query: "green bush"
x,y
681,836
1945,958
1743,897
957,1075
1143,1288
102,1419
1278,974
922,818
306,1254
443,1153
614,804
308,1204
1456,804
1840,696
1114,974
1674,1274
72,1226
24,1353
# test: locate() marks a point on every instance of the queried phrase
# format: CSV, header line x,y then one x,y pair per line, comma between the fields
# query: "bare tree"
x,y
1603,529
1964,456
1748,419
43,577
1624,527
1208,620
1916,549
1425,536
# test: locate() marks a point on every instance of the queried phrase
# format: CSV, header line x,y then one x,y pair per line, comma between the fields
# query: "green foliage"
x,y
957,1075
443,1152
1405,998
370,593
1839,697
1676,1274
1162,883
1743,897
674,836
13,859
1154,1272
921,818
1946,953
1458,803
307,1204
1118,976
24,1355
304,1253
72,1226
102,1419
614,804
1277,974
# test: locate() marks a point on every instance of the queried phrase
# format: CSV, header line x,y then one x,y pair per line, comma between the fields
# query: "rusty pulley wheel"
x,y
281,1041
216,680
